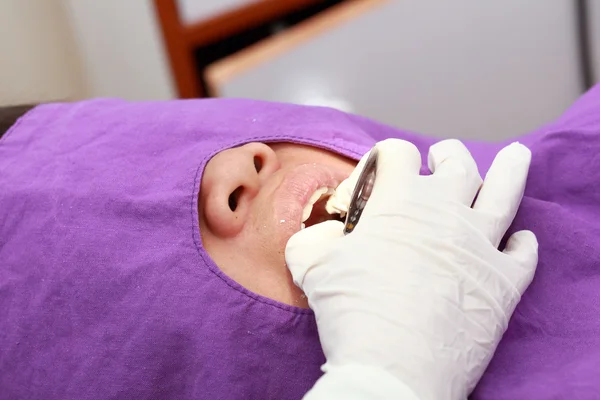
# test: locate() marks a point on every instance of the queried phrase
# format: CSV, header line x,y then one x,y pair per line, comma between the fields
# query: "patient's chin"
x,y
257,263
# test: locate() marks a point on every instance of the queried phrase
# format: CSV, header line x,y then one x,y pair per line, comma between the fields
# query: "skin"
x,y
248,241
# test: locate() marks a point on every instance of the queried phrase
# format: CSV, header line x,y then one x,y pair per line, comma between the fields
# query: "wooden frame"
x,y
221,72
182,39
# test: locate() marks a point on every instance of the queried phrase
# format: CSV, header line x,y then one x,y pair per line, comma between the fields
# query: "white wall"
x,y
38,59
460,68
464,68
194,10
121,49
594,10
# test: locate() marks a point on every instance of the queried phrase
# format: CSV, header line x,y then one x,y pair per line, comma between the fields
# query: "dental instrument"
x,y
362,192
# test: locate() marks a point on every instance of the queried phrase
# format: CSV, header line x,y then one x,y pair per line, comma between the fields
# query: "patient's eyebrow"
x,y
10,115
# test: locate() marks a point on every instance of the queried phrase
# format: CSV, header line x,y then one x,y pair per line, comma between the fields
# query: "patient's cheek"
x,y
256,261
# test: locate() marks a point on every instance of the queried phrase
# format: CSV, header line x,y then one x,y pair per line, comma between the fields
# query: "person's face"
x,y
252,200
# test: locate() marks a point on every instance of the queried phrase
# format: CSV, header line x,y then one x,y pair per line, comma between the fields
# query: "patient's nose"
x,y
231,182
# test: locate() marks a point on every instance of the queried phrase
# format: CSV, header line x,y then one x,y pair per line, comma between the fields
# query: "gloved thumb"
x,y
306,248
522,247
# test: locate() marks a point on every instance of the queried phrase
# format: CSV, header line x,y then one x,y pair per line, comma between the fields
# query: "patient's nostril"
x,y
234,198
258,163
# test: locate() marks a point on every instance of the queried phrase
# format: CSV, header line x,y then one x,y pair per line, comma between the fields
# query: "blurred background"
x,y
466,68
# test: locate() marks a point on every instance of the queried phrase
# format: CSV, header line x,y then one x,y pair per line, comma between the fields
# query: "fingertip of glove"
x,y
442,150
516,151
394,147
524,237
448,146
522,248
396,156
523,245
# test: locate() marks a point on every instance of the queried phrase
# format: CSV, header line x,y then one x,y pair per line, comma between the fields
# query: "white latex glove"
x,y
419,289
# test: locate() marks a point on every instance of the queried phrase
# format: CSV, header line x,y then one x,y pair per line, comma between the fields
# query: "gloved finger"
x,y
396,160
397,157
455,170
304,249
522,247
502,190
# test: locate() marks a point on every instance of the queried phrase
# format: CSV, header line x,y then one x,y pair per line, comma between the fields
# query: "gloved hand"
x,y
419,289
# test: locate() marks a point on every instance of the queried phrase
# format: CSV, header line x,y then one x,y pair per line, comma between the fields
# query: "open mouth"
x,y
315,210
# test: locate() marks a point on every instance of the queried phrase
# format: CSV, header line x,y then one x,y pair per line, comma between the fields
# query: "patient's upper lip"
x,y
297,186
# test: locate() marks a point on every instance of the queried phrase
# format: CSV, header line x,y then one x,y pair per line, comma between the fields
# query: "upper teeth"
x,y
324,191
339,202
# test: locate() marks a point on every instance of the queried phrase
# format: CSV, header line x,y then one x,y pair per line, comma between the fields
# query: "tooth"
x,y
302,226
306,212
313,199
317,195
339,201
